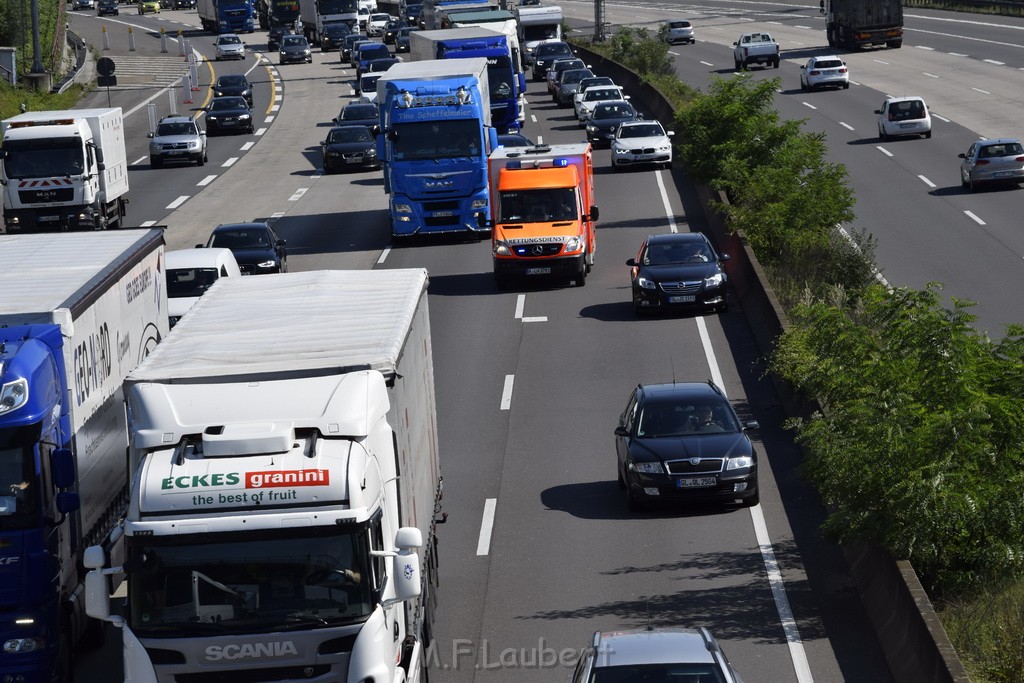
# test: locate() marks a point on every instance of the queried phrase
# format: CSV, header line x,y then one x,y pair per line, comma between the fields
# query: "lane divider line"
x,y
206,181
483,544
668,206
974,217
506,392
520,304
178,202
298,194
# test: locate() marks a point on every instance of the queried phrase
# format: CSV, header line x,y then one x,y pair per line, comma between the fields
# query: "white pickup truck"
x,y
755,48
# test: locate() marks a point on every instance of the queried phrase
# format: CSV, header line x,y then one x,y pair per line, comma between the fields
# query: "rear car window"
x,y
679,24
910,109
828,64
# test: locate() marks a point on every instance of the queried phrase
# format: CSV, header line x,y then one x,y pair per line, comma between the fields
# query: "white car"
x,y
679,31
594,96
903,116
190,272
589,83
823,72
377,23
363,16
229,46
641,142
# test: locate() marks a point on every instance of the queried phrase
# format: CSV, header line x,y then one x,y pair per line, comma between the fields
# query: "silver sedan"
x,y
992,162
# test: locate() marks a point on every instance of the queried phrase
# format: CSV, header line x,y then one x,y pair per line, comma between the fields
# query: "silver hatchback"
x,y
992,162
670,654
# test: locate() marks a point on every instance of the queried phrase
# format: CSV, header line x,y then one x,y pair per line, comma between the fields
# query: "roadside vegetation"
x,y
16,31
917,446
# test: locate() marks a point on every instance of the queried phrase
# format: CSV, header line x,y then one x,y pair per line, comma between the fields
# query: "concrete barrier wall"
x,y
912,638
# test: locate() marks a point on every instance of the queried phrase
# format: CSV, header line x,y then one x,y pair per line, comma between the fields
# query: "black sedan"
x,y
347,43
359,114
605,120
333,36
678,271
233,84
402,39
229,114
256,247
683,442
295,49
391,31
514,140
349,147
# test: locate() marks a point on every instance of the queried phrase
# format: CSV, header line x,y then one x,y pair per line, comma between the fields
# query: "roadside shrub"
x,y
634,48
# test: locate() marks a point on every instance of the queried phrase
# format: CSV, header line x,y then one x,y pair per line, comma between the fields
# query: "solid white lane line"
x,y
206,181
926,181
178,202
535,319
846,125
924,47
506,392
520,305
229,162
672,227
483,544
298,194
384,254
883,150
880,61
994,61
146,224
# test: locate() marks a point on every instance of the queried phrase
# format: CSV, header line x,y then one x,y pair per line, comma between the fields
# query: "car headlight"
x,y
646,284
212,117
243,117
648,467
16,645
193,145
501,248
402,208
573,244
591,129
620,150
739,463
218,93
664,148
715,280
266,264
478,204
371,152
333,154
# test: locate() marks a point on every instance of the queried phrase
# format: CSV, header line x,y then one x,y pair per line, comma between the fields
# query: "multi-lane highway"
x,y
539,550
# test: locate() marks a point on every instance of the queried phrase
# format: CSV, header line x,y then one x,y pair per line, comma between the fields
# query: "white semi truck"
x,y
64,170
316,15
288,480
77,313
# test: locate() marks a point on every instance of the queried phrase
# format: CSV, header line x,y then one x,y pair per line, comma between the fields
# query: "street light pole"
x,y
37,62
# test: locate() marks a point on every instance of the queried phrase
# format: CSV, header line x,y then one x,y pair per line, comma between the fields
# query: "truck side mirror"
x,y
595,213
407,563
97,596
67,502
62,468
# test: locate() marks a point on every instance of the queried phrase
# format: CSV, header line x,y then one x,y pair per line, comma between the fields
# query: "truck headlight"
x,y
18,645
403,208
648,467
478,204
715,280
13,395
573,244
501,248
739,463
646,284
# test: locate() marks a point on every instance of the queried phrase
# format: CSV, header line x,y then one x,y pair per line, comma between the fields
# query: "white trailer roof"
x,y
434,69
292,324
46,272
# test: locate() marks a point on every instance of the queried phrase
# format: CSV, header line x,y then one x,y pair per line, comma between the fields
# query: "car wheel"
x,y
738,66
633,503
616,167
776,63
971,185
156,162
803,86
200,160
846,86
927,135
963,179
638,310
618,474
881,134
284,265
722,307
251,129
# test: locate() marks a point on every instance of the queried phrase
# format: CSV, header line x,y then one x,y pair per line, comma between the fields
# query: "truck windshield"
x,y
437,140
189,282
233,4
44,158
338,7
18,485
538,206
499,77
249,582
544,32
284,11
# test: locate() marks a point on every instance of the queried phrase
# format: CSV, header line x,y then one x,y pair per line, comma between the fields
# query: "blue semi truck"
x,y
78,311
226,16
434,138
506,79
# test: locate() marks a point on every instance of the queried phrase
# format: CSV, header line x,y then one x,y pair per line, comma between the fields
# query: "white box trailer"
x,y
287,437
64,170
78,311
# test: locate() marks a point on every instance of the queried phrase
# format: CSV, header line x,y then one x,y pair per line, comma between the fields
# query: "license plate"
x,y
353,161
696,482
177,151
908,125
682,299
443,214
49,218
538,271
1003,174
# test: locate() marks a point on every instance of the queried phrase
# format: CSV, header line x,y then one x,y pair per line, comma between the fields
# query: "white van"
x,y
190,272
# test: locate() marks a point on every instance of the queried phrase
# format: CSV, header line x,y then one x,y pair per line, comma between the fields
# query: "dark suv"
x,y
683,442
548,53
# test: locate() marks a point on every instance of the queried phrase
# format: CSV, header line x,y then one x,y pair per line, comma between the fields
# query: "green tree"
x,y
634,48
918,447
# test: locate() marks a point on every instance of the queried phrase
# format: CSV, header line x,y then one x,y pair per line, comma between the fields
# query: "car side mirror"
x,y
670,133
282,243
803,67
621,431
878,111
335,119
724,257
200,246
752,424
631,262
150,135
735,43
961,155
627,97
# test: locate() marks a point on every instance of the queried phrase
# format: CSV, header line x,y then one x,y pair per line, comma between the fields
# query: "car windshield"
x,y
538,206
1007,149
415,141
380,17
595,94
179,128
227,103
374,51
232,81
243,238
676,253
614,111
680,418
647,130
189,282
229,40
293,41
360,112
574,76
349,134
658,673
368,84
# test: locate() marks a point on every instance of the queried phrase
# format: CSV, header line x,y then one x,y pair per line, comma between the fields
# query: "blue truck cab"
x,y
226,16
77,311
434,138
506,79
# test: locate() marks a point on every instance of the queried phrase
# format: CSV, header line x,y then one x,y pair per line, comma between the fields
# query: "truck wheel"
x,y
580,278
776,63
62,671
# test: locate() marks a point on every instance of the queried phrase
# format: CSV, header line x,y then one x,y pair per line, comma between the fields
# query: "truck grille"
x,y
681,287
440,221
235,13
686,467
281,673
64,194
